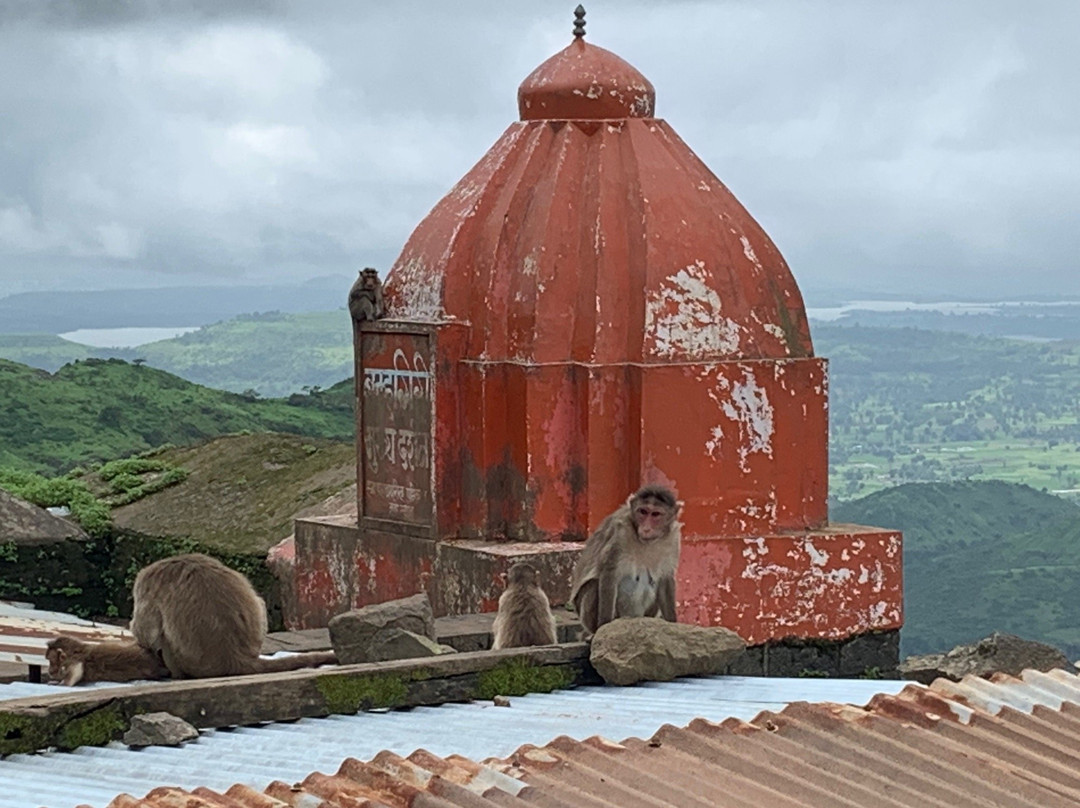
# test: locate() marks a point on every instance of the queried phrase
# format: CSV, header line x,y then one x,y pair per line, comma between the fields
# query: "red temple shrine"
x,y
590,309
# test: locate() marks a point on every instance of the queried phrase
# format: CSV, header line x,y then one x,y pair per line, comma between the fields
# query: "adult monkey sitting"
x,y
627,568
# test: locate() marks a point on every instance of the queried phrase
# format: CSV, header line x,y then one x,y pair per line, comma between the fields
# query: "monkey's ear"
x,y
679,505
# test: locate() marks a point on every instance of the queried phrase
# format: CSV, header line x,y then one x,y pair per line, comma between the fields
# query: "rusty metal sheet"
x,y
908,748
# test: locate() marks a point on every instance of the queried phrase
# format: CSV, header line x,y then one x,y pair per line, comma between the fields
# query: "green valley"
x,y
980,557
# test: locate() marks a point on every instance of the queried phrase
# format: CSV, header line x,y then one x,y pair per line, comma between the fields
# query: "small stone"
x,y
159,729
502,701
998,653
639,649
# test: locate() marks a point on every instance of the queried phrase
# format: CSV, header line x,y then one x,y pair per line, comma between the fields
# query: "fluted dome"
x,y
591,233
583,81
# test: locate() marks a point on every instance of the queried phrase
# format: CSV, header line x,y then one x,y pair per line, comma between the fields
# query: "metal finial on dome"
x,y
579,21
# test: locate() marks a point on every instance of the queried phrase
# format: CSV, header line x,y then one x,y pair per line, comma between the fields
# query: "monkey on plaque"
x,y
627,568
366,297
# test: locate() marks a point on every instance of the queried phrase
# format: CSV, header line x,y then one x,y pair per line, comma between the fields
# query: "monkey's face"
x,y
56,659
652,519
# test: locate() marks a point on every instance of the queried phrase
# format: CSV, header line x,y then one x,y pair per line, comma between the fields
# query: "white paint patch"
x,y
748,405
748,251
684,319
775,330
712,445
819,558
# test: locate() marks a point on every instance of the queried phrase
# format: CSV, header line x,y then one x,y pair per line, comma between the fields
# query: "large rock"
x,y
358,636
159,729
641,649
1004,653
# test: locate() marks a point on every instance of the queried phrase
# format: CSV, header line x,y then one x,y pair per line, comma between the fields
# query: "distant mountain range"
x,y
60,312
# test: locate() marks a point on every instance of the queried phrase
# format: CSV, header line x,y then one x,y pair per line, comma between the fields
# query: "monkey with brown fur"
x,y
72,661
205,620
524,616
627,568
366,296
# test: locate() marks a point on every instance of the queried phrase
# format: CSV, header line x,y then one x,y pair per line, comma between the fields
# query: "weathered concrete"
x,y
339,567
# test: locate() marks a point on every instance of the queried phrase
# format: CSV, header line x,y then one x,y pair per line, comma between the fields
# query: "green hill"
x,y
980,557
273,354
98,410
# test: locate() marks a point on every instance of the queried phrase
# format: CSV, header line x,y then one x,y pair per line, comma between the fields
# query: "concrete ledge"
x,y
339,566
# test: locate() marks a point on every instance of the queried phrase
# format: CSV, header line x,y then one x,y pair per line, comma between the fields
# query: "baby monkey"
x,y
524,616
627,568
72,661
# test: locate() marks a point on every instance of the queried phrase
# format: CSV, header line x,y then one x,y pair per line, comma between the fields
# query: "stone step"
x,y
464,632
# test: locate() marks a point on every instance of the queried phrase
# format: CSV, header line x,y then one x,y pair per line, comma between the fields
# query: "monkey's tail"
x,y
312,659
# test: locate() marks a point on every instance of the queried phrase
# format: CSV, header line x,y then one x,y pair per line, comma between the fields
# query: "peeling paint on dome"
x,y
418,294
683,319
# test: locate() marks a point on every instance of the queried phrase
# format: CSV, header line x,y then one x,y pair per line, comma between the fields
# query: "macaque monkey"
x,y
627,568
524,616
366,296
205,620
72,661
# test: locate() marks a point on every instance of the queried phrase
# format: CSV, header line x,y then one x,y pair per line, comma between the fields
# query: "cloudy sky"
x,y
885,146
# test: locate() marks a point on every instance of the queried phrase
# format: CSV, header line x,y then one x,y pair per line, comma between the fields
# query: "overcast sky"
x,y
888,146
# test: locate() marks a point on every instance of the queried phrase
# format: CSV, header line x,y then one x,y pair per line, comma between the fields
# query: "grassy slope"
x,y
979,557
242,491
98,410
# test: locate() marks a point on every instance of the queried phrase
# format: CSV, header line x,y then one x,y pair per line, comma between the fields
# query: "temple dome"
x,y
591,233
583,81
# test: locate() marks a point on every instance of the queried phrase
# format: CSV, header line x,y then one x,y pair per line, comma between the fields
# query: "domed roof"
x,y
591,233
583,81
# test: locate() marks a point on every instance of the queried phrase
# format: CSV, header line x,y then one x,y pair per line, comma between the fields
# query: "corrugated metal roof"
x,y
256,756
1006,742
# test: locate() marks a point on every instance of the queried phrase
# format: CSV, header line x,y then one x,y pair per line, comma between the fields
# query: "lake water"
x,y
123,337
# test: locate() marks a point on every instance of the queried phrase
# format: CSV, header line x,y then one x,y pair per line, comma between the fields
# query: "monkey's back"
x,y
211,619
524,619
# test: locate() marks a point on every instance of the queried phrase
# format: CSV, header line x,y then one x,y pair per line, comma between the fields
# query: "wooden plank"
x,y
95,717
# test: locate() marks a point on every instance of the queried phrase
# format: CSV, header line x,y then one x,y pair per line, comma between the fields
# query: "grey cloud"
x,y
905,146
